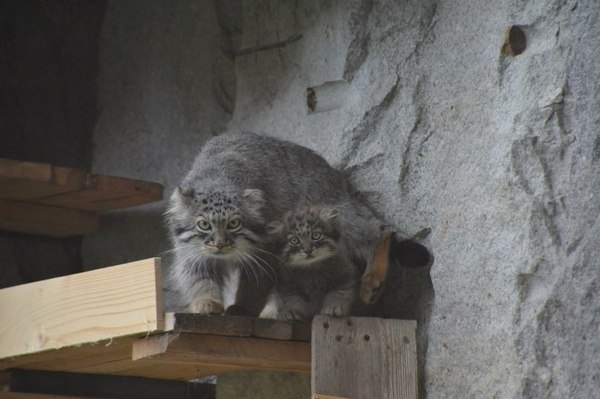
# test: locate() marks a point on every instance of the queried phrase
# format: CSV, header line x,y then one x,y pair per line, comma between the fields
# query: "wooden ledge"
x,y
40,198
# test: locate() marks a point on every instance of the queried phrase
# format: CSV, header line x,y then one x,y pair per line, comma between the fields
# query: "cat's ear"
x,y
275,229
254,196
331,216
186,192
182,195
254,200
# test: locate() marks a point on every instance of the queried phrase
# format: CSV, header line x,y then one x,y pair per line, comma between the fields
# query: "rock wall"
x,y
165,87
496,154
492,159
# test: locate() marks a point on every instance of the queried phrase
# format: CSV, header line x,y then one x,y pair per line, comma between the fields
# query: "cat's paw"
x,y
335,310
206,306
371,287
269,312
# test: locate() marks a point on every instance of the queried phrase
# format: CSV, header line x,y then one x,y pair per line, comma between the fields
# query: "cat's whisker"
x,y
177,248
267,252
262,265
244,261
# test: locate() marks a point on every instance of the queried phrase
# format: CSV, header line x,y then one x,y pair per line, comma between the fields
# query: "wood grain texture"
x,y
31,218
224,351
81,308
238,326
63,201
364,358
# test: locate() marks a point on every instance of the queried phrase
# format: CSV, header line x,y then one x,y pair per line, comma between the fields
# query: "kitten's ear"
x,y
331,216
275,229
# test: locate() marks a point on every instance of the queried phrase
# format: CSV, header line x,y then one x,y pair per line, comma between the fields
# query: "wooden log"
x,y
364,358
81,308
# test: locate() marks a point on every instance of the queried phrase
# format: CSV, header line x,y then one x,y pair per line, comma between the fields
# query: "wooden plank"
x,y
224,351
109,357
21,180
364,357
238,326
103,193
81,308
318,396
72,188
22,395
47,220
107,386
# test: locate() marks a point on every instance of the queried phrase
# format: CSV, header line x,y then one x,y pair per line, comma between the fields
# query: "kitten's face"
x,y
216,224
311,235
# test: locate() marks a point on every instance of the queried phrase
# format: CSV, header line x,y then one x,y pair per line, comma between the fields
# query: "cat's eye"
x,y
294,241
203,224
234,224
316,236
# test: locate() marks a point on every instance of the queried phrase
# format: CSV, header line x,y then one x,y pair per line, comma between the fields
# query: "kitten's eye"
x,y
316,236
203,224
234,224
294,241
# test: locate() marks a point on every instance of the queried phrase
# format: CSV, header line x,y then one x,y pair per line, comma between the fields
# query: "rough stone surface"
x,y
165,88
497,156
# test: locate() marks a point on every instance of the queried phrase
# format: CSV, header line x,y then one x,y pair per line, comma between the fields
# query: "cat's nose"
x,y
222,244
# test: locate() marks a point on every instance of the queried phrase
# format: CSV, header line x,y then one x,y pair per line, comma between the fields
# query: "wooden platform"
x,y
111,322
40,198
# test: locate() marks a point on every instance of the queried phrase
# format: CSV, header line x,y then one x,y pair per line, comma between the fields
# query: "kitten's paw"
x,y
335,310
371,287
291,315
206,306
269,313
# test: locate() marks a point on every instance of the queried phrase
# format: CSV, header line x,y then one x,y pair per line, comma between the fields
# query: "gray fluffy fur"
x,y
281,176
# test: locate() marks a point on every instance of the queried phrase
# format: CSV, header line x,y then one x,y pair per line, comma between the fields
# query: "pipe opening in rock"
x,y
328,96
515,41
